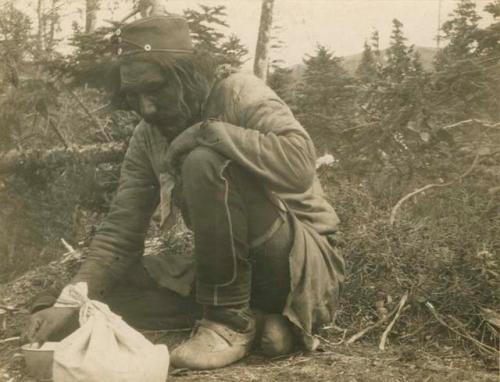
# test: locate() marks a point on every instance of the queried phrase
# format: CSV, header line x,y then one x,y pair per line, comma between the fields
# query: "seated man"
x,y
228,153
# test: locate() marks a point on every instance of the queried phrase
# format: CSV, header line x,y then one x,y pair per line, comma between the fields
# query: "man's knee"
x,y
202,164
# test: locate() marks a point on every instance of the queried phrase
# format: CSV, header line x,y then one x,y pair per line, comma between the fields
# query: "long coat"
x,y
251,125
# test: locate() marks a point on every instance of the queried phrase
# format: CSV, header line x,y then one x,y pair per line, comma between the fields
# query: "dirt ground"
x,y
360,362
356,364
408,356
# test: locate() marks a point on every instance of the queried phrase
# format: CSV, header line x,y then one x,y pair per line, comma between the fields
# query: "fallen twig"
x,y
68,247
484,347
11,339
395,209
469,121
377,324
333,343
360,334
72,254
358,127
383,339
58,132
15,160
334,327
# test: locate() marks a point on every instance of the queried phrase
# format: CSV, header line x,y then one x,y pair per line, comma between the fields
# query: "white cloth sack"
x,y
105,348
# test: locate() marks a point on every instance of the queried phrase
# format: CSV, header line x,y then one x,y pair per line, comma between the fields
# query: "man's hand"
x,y
51,323
182,145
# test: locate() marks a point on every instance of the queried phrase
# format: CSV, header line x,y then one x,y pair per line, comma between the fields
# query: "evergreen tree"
x,y
399,60
375,42
466,84
92,59
232,51
325,95
16,46
493,8
461,32
416,63
281,80
398,78
367,69
394,98
15,43
489,37
488,49
206,27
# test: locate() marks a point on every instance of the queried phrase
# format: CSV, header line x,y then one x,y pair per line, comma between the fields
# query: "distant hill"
x,y
350,63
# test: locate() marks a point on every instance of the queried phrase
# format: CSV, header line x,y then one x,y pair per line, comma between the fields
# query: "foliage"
x,y
442,251
325,95
15,43
399,62
392,140
232,52
280,78
92,59
367,70
206,27
282,81
466,83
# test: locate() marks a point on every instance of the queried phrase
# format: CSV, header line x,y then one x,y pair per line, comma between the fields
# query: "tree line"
x,y
390,113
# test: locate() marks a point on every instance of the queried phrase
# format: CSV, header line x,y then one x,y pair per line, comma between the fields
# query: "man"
x,y
228,153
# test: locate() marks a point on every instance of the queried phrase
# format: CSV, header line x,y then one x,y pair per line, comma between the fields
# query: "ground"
x,y
411,355
360,362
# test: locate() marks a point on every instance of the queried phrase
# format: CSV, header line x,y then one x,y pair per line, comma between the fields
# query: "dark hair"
x,y
193,74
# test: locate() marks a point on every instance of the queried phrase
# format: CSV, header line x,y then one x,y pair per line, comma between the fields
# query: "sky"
x,y
340,25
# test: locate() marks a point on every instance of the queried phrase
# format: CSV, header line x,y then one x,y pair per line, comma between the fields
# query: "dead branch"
x,y
472,121
71,255
11,339
488,349
340,342
67,246
395,209
369,328
358,127
15,160
360,334
58,132
92,117
383,339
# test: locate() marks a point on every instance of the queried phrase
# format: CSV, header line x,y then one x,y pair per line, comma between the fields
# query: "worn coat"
x,y
251,125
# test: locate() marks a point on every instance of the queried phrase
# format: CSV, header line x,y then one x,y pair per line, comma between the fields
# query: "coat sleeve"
x,y
120,239
263,136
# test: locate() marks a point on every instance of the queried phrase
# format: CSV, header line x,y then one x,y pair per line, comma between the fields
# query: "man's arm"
x,y
264,137
120,238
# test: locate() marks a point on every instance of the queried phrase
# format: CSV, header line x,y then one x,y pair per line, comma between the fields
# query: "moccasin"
x,y
212,345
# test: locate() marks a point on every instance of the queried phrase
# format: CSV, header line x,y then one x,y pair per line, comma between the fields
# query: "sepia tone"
x,y
398,97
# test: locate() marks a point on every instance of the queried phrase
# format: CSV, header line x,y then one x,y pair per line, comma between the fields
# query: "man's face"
x,y
150,93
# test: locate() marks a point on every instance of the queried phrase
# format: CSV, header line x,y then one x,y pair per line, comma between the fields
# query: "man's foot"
x,y
213,345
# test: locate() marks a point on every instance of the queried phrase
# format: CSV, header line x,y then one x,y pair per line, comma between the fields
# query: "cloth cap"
x,y
154,34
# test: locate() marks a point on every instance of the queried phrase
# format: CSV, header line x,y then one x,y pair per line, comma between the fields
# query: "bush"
x,y
442,250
